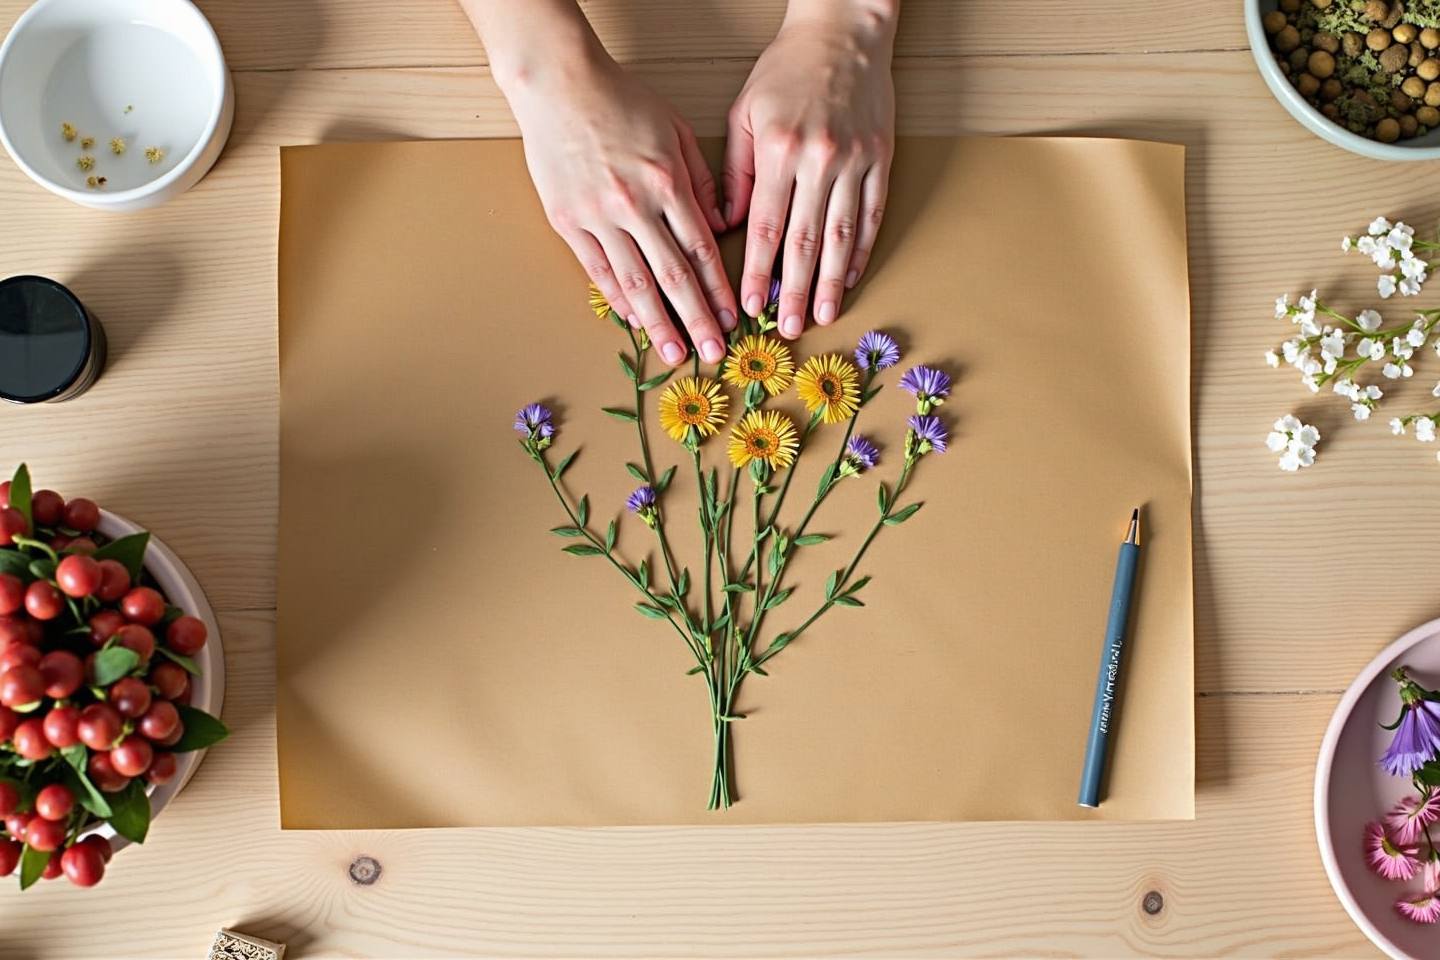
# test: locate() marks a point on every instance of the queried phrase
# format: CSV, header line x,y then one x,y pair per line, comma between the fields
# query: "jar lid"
x,y
45,339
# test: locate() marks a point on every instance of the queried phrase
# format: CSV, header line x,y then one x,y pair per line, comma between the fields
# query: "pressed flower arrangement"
x,y
720,614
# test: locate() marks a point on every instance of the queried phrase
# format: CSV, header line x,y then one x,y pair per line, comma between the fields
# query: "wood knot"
x,y
1153,903
365,870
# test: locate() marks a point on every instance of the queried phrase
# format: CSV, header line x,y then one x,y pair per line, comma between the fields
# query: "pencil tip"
x,y
1133,534
1135,515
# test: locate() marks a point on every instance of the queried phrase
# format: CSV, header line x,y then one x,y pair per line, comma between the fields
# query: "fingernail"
x,y
792,325
827,312
850,279
711,351
672,352
752,306
729,209
715,216
727,320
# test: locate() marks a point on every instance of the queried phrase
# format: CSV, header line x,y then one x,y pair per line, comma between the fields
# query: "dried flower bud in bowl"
x,y
1363,75
120,105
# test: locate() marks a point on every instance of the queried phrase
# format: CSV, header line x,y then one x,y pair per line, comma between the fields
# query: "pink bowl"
x,y
1351,790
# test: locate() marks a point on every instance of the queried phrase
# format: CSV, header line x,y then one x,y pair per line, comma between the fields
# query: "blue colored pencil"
x,y
1102,718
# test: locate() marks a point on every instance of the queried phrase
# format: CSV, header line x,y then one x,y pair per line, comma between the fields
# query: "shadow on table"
x,y
135,295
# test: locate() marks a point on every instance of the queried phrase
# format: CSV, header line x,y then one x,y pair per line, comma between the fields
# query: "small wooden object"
x,y
230,945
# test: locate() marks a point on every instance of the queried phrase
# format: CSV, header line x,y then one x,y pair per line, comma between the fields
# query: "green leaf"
x,y
610,537
128,550
854,588
884,498
644,575
79,782
130,808
655,381
32,864
23,790
43,569
563,465
665,479
627,366
869,395
760,670
777,556
201,730
778,599
15,563
1429,775
582,513
848,602
20,494
619,414
637,473
654,613
754,394
583,550
28,707
190,666
826,479
113,663
682,587
739,588
903,515
172,613
695,669
830,584
778,644
810,539
567,531
665,600
720,622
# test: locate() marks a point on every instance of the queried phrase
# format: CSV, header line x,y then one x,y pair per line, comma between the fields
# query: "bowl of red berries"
x,y
111,680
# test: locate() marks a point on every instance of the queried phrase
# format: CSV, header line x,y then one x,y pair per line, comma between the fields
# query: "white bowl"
x,y
150,72
207,690
1416,148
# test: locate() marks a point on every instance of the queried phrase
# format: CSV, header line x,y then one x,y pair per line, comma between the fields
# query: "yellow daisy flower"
x,y
760,360
692,402
764,435
829,383
598,303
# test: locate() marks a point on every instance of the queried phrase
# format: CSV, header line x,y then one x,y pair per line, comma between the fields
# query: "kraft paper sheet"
x,y
442,663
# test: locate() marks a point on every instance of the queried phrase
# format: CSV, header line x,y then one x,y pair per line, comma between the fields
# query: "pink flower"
x,y
1409,818
1390,861
1424,909
1430,872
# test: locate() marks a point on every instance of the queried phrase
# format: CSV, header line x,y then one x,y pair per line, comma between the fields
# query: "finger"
x,y
697,242
802,250
702,181
838,245
677,278
872,210
774,180
592,257
639,287
738,173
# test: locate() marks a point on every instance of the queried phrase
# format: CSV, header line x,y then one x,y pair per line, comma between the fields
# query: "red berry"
x,y
162,768
84,866
62,726
99,843
60,542
9,800
105,625
186,694
103,774
17,823
43,601
139,639
12,525
45,507
9,856
186,635
14,627
99,726
174,737
12,593
9,720
54,801
81,545
63,673
5,494
52,867
20,655
169,679
131,697
132,757
77,575
159,721
45,835
114,580
81,514
30,741
21,685
143,605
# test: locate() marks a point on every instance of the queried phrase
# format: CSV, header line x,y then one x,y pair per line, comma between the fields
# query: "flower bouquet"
x,y
720,612
95,687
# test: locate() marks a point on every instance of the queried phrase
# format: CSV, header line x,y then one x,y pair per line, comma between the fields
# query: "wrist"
x,y
548,59
869,23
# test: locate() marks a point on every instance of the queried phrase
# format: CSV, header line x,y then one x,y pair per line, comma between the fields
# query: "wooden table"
x,y
1299,579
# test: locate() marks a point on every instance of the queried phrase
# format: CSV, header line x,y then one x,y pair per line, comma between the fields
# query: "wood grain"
x,y
1299,579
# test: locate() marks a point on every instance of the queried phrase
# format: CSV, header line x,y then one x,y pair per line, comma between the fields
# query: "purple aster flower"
x,y
1417,734
774,296
533,419
929,434
877,350
860,455
641,499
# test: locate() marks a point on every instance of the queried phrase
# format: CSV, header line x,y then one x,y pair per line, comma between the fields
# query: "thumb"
x,y
739,171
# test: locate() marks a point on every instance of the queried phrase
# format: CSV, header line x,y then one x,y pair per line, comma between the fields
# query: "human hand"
x,y
811,136
623,182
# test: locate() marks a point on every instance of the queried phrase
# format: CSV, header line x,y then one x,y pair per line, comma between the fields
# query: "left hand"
x,y
810,140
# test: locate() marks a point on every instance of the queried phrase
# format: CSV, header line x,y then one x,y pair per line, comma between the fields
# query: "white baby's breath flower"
x,y
1377,350
1345,244
1425,430
1294,441
1415,337
1435,392
1397,426
1361,411
1369,321
1282,305
1364,347
1311,367
1310,381
1382,256
1386,286
1306,436
1272,358
1294,352
1373,392
1409,287
1308,328
1366,245
1392,371
1378,226
1347,388
1401,348
1331,364
1333,344
1413,266
1400,238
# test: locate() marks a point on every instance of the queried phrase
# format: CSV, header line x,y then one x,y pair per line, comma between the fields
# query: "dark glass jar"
x,y
51,348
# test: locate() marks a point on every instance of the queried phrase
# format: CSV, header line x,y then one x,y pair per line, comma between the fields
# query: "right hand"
x,y
625,185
